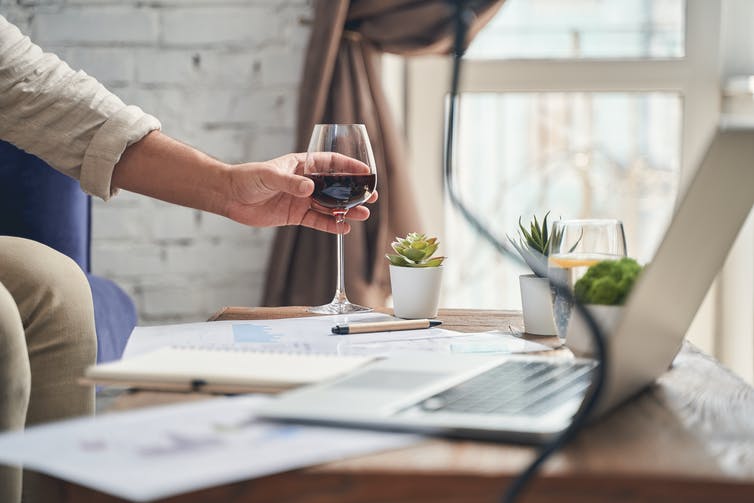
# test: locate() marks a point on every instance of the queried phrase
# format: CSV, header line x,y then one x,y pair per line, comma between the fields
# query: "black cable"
x,y
463,17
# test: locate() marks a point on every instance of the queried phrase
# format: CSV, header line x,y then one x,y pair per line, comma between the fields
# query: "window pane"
x,y
535,29
580,155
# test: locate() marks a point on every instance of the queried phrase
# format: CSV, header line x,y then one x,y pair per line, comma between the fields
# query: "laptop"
x,y
530,399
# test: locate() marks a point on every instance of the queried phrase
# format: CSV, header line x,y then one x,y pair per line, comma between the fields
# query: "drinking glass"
x,y
339,185
575,245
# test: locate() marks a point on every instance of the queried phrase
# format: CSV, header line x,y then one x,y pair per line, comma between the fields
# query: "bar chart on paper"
x,y
250,332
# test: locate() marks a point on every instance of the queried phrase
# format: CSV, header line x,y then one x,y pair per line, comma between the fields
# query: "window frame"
x,y
696,77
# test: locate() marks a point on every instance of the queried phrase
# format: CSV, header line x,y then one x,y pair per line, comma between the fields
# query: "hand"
x,y
265,194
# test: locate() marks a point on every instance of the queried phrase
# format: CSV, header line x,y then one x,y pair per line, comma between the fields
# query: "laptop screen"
x,y
663,303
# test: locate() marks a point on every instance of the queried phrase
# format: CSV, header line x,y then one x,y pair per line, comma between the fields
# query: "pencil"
x,y
384,326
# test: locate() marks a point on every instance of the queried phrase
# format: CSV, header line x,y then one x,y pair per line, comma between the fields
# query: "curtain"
x,y
341,84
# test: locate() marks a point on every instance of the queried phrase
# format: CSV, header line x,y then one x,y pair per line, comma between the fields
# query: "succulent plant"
x,y
534,245
415,250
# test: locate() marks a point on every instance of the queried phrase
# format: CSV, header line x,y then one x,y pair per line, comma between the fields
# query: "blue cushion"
x,y
114,316
39,203
42,204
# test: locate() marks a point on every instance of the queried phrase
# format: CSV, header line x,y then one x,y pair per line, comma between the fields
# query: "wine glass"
x,y
575,245
340,183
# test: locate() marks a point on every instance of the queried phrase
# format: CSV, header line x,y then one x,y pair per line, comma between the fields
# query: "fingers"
x,y
345,164
359,213
325,223
333,162
278,181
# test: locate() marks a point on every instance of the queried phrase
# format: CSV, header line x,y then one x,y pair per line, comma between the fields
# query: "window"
x,y
521,153
546,29
585,107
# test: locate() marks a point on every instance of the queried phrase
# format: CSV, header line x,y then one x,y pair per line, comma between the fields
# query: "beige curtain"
x,y
341,84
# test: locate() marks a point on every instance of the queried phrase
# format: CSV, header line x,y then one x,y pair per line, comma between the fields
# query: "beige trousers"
x,y
47,338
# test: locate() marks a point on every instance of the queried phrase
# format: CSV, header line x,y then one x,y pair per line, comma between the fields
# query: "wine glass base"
x,y
339,308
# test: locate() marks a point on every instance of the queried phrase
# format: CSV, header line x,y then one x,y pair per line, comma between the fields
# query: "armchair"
x,y
39,203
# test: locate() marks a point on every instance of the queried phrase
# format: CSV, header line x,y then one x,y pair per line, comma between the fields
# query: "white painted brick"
x,y
227,145
32,3
96,25
156,66
174,300
174,107
269,145
101,2
150,100
207,258
118,223
295,26
192,258
244,291
171,106
129,259
179,3
170,222
217,25
231,67
106,65
281,66
215,226
268,108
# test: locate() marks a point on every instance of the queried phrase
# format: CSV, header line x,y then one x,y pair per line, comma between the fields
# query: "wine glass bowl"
x,y
341,164
340,192
576,245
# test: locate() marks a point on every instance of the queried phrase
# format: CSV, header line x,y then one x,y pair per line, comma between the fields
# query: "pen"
x,y
384,326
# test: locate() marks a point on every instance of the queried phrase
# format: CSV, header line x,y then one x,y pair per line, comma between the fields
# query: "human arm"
x,y
77,126
261,194
62,116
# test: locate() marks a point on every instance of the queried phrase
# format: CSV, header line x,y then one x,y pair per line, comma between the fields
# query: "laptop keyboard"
x,y
515,387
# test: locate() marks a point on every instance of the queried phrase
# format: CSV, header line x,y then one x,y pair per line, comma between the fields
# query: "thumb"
x,y
295,185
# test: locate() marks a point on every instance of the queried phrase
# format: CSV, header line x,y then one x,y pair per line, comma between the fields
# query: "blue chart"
x,y
248,332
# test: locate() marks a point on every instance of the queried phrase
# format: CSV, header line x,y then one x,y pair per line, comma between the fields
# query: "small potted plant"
x,y
536,298
603,290
415,276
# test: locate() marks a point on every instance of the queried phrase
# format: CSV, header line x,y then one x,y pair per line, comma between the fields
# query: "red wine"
x,y
342,190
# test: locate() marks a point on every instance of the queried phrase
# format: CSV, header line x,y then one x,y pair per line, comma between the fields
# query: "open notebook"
x,y
222,370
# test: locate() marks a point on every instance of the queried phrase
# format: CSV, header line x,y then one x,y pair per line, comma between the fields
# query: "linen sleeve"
x,y
63,116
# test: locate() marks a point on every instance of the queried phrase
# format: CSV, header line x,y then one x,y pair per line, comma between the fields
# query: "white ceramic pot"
x,y
416,291
578,338
536,304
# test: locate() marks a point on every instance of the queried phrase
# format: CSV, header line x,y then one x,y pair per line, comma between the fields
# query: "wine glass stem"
x,y
340,290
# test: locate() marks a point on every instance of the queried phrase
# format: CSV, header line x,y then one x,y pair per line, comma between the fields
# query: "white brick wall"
x,y
221,75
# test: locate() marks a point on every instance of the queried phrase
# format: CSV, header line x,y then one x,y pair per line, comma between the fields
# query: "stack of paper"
x,y
223,370
164,451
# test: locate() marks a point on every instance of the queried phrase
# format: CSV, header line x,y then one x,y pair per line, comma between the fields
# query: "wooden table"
x,y
689,438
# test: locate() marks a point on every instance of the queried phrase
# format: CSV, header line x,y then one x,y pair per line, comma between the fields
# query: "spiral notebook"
x,y
221,370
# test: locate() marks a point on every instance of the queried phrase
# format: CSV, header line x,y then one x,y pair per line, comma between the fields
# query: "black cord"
x,y
463,17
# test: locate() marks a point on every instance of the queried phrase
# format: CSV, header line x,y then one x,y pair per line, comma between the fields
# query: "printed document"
x,y
160,452
313,335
